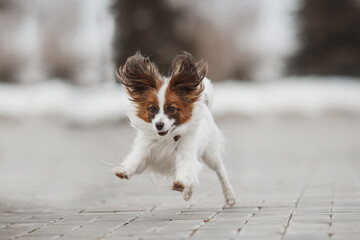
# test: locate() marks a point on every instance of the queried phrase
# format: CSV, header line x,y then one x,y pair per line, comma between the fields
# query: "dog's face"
x,y
164,103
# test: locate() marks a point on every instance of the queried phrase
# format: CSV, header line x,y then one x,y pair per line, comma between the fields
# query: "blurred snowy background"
x,y
58,58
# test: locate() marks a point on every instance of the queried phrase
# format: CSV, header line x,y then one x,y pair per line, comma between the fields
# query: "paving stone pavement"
x,y
295,178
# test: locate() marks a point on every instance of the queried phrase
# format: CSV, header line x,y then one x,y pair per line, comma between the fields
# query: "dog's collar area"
x,y
176,138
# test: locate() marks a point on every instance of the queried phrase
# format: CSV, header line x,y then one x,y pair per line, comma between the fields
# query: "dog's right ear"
x,y
138,75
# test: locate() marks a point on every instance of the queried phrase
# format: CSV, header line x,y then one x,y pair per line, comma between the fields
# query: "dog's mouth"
x,y
163,133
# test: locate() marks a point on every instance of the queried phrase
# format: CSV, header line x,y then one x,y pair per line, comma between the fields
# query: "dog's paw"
x,y
178,186
186,190
122,174
187,193
230,199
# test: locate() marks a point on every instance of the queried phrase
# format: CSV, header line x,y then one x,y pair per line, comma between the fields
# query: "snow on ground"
x,y
311,96
74,104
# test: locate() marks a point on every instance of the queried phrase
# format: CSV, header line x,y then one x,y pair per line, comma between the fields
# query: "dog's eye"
x,y
171,110
152,110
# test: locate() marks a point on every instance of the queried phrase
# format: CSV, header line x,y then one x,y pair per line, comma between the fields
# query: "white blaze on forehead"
x,y
161,116
161,95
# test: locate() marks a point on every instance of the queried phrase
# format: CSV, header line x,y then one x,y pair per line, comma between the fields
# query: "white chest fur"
x,y
162,155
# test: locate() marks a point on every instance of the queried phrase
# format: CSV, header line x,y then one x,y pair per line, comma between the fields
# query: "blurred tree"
x,y
4,4
152,28
330,38
8,63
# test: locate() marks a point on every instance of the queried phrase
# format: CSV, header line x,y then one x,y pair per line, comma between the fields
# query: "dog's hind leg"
x,y
214,161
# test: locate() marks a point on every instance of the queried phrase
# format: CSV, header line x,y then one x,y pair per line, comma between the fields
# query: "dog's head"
x,y
163,102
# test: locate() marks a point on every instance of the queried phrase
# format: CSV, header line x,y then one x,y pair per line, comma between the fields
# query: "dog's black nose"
x,y
159,125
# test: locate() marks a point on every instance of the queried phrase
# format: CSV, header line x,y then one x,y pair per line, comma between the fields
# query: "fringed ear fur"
x,y
187,75
139,75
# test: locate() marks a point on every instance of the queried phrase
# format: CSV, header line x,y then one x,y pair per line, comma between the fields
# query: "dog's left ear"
x,y
187,75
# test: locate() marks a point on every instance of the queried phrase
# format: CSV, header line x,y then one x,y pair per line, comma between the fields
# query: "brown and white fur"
x,y
175,128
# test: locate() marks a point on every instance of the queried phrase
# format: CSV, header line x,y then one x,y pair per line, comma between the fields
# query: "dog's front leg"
x,y
135,161
187,170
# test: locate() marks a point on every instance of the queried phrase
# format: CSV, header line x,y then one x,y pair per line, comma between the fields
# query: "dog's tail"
x,y
208,93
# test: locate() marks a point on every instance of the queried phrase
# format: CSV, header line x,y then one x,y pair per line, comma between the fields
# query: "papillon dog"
x,y
175,128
